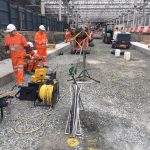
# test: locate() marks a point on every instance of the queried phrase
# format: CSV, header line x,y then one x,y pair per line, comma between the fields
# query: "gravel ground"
x,y
116,115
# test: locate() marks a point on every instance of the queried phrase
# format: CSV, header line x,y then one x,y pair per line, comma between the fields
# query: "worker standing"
x,y
115,34
68,36
91,39
72,41
41,43
16,46
122,30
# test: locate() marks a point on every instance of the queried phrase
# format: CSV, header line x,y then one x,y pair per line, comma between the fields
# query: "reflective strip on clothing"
x,y
20,69
20,66
15,69
16,47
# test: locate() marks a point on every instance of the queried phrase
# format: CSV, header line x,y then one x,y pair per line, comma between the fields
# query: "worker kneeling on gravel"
x,y
16,46
32,59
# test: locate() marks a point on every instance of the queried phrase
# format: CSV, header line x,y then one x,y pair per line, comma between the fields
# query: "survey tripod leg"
x,y
2,113
84,73
73,126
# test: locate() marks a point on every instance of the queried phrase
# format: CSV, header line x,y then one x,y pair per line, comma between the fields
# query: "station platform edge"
x,y
6,73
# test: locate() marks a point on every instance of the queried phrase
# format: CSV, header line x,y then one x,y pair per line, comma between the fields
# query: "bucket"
x,y
127,55
117,52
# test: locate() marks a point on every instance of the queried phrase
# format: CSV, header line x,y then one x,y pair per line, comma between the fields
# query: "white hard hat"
x,y
30,44
41,27
10,28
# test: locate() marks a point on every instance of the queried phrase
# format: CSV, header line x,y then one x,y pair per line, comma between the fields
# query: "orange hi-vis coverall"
x,y
16,46
80,44
68,36
41,41
32,62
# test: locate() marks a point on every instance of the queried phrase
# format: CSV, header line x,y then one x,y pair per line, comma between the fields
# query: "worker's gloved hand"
x,y
27,56
39,59
8,52
27,48
46,45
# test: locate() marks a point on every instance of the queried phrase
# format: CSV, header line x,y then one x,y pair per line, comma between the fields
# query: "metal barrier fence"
x,y
26,20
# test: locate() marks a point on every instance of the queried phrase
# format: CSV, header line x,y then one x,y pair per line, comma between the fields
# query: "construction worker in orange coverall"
x,y
16,46
32,59
68,36
41,43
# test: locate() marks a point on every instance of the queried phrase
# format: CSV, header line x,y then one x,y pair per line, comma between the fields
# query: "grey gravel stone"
x,y
117,111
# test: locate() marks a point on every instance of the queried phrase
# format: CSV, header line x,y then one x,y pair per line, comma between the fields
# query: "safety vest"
x,y
16,45
40,40
34,55
68,36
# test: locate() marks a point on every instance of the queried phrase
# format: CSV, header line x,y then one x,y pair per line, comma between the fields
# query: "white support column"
x,y
119,20
73,15
128,20
68,14
123,19
134,18
59,10
77,19
68,18
43,7
116,22
113,22
143,16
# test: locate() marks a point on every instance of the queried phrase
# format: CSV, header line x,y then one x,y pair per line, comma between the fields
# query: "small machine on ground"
x,y
123,41
107,36
43,88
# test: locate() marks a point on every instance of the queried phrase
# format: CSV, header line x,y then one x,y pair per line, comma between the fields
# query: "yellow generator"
x,y
40,75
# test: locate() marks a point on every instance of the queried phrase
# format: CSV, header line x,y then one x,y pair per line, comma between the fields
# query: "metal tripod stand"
x,y
84,73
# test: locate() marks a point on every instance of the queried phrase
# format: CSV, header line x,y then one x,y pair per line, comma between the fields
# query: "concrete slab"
x,y
143,48
61,47
7,75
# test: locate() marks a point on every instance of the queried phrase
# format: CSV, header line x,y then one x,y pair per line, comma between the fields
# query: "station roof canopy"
x,y
97,10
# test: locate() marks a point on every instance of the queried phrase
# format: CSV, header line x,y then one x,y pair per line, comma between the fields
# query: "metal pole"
x,y
123,19
84,63
116,21
9,8
134,16
68,19
19,27
73,15
128,20
67,14
59,10
77,19
119,20
143,20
